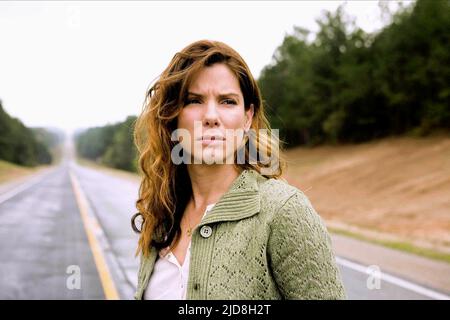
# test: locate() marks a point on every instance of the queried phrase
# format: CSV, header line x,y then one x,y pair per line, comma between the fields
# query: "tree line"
x,y
342,86
111,145
25,146
350,86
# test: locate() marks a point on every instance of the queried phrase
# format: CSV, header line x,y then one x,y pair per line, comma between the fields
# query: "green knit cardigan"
x,y
262,240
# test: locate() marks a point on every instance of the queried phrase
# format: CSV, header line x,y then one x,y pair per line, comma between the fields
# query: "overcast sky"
x,y
80,64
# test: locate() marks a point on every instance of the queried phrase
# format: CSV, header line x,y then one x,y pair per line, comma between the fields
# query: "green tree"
x,y
121,153
111,145
18,144
349,86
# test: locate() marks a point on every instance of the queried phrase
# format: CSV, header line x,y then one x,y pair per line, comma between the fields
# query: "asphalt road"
x,y
41,236
49,249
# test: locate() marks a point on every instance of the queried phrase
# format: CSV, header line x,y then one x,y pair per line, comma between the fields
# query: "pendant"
x,y
189,232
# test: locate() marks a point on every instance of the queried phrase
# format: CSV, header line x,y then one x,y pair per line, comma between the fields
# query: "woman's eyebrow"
x,y
222,95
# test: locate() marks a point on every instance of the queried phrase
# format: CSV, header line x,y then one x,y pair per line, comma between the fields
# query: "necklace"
x,y
189,229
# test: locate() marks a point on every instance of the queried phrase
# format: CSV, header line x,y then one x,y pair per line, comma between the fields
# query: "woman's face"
x,y
213,118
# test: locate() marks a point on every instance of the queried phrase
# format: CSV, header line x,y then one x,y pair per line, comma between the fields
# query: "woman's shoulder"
x,y
281,201
278,191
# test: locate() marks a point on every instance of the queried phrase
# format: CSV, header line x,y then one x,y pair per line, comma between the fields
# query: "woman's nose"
x,y
211,116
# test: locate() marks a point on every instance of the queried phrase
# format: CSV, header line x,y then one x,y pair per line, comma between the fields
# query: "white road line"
x,y
394,280
22,187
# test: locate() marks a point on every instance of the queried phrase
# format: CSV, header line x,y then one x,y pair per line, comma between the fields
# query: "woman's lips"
x,y
210,142
207,140
212,138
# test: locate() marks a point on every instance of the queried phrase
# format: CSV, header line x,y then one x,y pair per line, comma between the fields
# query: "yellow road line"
x,y
91,226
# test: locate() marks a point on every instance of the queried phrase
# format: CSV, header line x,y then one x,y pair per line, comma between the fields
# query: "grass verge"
x,y
10,171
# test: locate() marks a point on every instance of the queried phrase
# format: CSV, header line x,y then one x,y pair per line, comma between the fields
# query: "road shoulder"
x,y
429,273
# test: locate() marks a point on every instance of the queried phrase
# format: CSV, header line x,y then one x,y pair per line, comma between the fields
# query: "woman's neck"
x,y
210,182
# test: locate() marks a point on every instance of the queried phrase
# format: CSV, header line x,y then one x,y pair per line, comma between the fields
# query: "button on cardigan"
x,y
265,241
169,279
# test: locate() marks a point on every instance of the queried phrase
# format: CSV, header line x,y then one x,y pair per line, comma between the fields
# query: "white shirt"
x,y
169,279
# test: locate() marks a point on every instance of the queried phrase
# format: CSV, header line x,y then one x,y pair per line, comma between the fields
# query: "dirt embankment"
x,y
396,187
11,172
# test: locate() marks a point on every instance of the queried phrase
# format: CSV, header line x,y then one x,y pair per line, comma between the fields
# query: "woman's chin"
x,y
212,156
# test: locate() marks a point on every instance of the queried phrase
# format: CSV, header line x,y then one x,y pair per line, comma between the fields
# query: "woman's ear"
x,y
249,115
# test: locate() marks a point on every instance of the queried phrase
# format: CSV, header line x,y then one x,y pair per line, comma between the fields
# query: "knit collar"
x,y
241,201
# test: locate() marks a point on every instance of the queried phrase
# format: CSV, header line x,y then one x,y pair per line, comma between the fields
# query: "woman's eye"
x,y
229,101
197,101
192,101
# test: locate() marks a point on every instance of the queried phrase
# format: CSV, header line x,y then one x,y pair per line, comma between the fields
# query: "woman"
x,y
217,220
